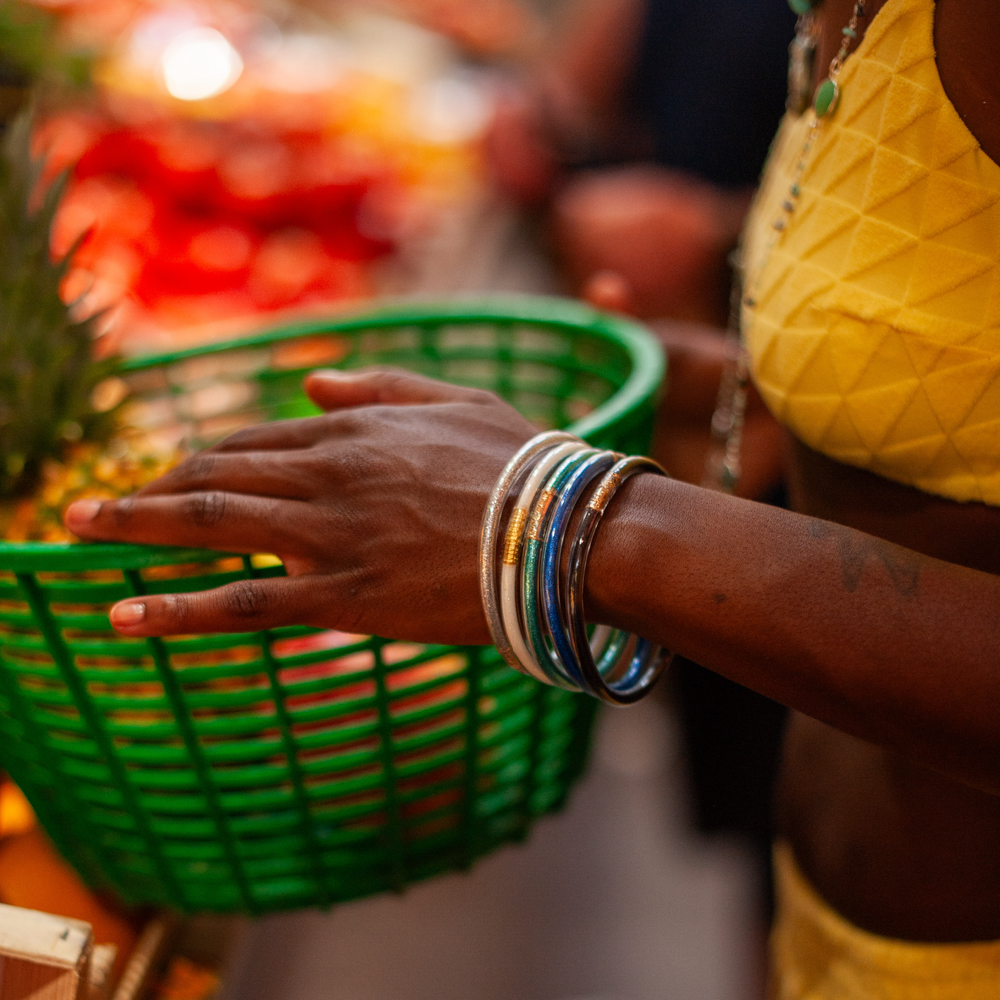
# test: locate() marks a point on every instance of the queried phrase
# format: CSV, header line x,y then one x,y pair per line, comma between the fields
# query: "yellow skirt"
x,y
817,955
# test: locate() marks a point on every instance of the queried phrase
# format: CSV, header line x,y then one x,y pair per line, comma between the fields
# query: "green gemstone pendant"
x,y
827,98
801,7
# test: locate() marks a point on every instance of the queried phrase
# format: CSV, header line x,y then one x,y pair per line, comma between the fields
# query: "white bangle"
x,y
510,568
488,536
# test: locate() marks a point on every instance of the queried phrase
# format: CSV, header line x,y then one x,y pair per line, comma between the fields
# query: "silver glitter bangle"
x,y
491,531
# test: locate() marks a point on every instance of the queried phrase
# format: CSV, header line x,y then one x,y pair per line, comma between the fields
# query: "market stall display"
x,y
225,169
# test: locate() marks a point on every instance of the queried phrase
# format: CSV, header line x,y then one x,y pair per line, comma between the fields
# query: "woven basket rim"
x,y
648,368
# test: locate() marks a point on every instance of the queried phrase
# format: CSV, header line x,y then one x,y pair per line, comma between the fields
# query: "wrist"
x,y
624,549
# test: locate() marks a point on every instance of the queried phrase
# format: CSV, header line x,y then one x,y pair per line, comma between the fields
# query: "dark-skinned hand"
x,y
374,508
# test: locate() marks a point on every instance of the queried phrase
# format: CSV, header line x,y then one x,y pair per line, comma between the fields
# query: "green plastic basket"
x,y
298,767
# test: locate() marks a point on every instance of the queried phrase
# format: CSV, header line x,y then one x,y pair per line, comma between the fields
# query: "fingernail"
x,y
334,373
128,613
82,511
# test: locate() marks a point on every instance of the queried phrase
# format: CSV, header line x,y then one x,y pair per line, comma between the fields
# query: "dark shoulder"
x,y
967,39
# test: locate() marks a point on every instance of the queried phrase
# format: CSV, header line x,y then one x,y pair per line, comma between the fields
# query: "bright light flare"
x,y
200,63
450,110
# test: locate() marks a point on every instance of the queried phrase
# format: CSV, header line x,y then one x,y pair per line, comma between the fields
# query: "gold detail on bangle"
x,y
512,543
538,513
605,491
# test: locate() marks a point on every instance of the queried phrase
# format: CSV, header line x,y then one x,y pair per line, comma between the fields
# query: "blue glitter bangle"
x,y
537,524
555,533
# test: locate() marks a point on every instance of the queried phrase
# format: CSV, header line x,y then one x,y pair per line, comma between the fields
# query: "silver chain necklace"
x,y
722,465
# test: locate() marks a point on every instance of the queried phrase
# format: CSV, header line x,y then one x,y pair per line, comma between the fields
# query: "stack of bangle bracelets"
x,y
533,605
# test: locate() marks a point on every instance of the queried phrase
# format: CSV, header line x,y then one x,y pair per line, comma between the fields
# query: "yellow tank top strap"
x,y
874,332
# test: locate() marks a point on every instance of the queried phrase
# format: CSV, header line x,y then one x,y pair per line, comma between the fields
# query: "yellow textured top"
x,y
817,955
875,333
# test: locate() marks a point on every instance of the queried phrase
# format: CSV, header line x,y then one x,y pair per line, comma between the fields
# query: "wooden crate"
x,y
43,957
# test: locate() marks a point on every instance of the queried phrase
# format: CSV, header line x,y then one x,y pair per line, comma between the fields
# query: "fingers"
x,y
228,522
281,435
333,390
281,474
244,606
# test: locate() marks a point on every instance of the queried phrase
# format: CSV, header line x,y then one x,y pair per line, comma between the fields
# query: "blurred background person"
x,y
642,128
639,134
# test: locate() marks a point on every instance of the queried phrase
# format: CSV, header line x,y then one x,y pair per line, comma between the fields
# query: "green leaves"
x,y
29,50
47,368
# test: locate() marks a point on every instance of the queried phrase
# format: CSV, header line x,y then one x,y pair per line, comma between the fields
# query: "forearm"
x,y
376,508
889,645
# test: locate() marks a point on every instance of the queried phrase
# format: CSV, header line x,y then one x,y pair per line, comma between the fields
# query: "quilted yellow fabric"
x,y
817,955
875,336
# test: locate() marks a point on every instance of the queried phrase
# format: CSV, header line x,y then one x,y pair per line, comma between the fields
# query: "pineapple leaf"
x,y
48,371
31,49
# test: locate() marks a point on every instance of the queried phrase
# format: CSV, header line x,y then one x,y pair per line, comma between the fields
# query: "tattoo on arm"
x,y
856,549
